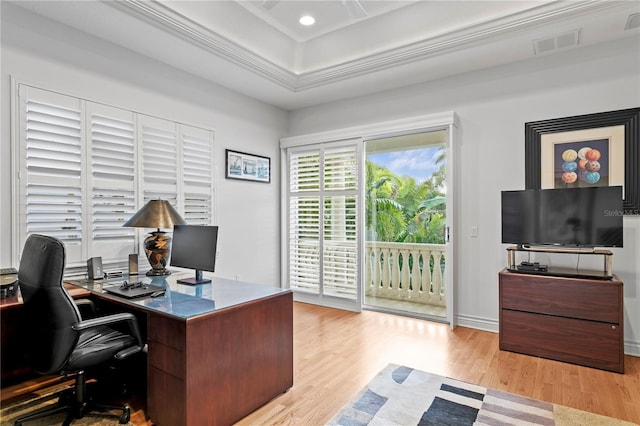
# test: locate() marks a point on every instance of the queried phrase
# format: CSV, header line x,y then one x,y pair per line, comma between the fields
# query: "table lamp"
x,y
157,245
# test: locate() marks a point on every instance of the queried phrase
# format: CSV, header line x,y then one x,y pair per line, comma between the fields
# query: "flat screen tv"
x,y
194,247
572,217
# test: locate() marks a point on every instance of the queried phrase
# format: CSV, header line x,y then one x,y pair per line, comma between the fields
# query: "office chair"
x,y
59,340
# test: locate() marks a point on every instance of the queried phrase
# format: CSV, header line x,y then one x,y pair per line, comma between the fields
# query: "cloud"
x,y
417,163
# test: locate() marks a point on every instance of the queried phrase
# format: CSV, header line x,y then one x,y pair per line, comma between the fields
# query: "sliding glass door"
x,y
405,224
357,228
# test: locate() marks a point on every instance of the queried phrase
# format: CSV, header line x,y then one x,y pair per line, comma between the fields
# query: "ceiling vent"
x,y
557,42
633,21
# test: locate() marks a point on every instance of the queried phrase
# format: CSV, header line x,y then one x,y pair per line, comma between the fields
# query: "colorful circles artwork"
x,y
583,165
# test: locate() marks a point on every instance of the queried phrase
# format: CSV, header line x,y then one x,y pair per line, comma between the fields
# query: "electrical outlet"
x,y
474,231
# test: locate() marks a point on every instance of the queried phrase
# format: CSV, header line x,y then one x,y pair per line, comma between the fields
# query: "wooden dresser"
x,y
574,320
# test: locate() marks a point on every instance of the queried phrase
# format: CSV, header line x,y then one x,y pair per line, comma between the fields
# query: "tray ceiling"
x,y
355,47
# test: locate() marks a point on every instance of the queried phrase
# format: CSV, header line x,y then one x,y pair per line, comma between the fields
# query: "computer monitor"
x,y
194,247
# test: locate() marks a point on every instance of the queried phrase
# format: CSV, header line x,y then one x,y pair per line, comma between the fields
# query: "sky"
x,y
417,163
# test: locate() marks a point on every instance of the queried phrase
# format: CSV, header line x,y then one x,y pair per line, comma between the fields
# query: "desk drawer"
x,y
169,332
167,359
165,396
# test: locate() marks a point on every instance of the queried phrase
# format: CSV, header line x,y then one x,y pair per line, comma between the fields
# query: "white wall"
x,y
492,107
57,58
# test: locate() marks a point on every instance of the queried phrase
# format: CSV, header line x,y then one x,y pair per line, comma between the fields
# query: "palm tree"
x,y
403,210
381,207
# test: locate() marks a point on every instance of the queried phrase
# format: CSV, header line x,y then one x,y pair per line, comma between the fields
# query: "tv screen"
x,y
577,217
194,247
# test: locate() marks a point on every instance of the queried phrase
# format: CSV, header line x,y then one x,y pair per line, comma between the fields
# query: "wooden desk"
x,y
216,352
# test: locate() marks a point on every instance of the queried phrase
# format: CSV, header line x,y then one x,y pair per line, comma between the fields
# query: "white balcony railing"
x,y
405,271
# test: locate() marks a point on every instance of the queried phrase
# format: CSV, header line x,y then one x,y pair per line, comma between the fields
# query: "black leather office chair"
x,y
59,340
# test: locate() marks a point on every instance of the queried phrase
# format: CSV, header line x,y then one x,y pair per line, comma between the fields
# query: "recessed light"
x,y
307,20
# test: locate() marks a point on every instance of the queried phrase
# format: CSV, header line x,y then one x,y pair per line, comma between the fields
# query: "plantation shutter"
x,y
340,266
197,175
84,169
50,162
323,220
112,185
159,160
304,221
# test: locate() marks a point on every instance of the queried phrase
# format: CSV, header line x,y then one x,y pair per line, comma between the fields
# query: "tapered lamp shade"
x,y
157,245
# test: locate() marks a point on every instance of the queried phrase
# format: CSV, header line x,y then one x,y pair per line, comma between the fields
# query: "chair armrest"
x,y
113,319
86,307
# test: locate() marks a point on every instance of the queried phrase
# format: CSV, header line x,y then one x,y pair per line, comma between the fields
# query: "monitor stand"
x,y
194,281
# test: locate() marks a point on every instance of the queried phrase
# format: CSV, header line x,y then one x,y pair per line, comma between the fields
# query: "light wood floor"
x,y
337,353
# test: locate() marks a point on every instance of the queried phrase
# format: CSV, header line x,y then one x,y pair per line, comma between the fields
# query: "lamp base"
x,y
157,247
158,272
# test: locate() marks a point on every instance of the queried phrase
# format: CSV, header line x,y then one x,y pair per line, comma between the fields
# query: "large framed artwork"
x,y
243,166
601,149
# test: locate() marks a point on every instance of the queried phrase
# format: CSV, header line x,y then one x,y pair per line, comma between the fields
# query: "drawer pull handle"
x,y
613,327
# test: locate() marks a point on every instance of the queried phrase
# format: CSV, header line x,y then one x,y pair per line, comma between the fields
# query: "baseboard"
x,y
329,302
478,323
632,348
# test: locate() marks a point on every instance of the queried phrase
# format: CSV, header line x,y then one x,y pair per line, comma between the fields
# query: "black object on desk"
x,y
8,282
132,291
8,271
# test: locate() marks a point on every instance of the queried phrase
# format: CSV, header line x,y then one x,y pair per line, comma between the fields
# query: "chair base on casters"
x,y
76,403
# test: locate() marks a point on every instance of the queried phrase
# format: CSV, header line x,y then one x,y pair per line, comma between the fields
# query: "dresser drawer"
x,y
577,341
595,300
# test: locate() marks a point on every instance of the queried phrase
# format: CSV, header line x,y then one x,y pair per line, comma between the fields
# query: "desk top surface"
x,y
183,300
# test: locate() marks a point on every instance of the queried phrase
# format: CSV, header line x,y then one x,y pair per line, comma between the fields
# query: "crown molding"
x,y
167,19
451,42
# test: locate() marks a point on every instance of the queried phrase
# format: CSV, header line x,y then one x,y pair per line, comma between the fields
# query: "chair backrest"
x,y
50,312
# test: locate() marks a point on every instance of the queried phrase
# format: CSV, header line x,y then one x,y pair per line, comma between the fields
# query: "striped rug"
x,y
403,396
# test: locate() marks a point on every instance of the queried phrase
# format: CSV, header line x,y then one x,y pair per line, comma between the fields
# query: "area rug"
x,y
11,412
404,396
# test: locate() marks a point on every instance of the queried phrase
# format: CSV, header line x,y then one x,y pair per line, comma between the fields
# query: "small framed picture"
x,y
243,166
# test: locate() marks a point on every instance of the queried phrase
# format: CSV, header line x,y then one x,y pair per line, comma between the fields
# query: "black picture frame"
x,y
248,167
629,118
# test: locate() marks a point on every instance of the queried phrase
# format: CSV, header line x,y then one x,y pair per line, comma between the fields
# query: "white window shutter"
x,y
159,158
51,139
340,266
197,175
85,168
323,220
304,171
304,244
112,181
